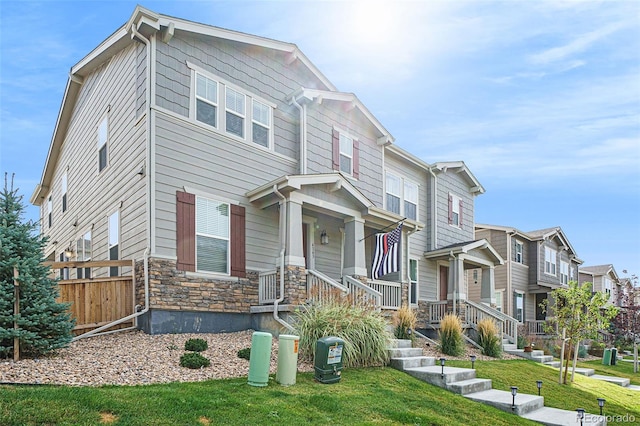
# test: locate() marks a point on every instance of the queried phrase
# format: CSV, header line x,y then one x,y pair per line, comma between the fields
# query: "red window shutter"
x,y
460,215
336,150
186,231
450,209
356,159
238,237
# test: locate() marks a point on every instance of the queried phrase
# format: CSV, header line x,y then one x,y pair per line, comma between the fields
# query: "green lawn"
x,y
363,396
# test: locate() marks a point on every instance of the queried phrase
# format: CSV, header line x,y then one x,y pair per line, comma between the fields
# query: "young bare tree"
x,y
579,314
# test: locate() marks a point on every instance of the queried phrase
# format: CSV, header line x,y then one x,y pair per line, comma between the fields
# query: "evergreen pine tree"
x,y
44,325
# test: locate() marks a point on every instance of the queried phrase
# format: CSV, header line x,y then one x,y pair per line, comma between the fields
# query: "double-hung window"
x,y
606,285
518,306
346,154
206,100
63,185
550,261
410,200
413,281
261,127
235,112
50,211
114,241
393,193
83,251
64,272
212,236
455,210
564,272
519,252
103,136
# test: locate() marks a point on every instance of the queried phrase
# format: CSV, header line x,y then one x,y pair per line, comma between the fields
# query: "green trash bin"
x,y
328,359
614,356
606,357
287,359
260,358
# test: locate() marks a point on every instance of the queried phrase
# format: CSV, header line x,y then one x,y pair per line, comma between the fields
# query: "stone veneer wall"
x,y
171,289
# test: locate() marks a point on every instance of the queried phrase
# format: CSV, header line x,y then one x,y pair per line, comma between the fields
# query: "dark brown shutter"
x,y
336,150
450,209
460,215
356,159
238,236
186,231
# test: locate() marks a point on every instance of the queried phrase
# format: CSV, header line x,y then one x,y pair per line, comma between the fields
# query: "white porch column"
x,y
294,253
354,259
487,289
456,281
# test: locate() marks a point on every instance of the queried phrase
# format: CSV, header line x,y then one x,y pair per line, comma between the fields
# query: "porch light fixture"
x,y
68,252
580,414
601,404
442,361
324,238
514,391
473,360
539,384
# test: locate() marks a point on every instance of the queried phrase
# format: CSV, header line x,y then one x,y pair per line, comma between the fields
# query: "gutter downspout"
x,y
303,135
283,245
434,213
135,315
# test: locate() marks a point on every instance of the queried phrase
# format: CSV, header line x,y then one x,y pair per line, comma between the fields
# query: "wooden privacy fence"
x,y
98,301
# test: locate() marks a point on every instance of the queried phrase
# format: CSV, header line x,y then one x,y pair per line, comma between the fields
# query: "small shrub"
x,y
404,320
194,360
451,341
488,338
244,353
196,345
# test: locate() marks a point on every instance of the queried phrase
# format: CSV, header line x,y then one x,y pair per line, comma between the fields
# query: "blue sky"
x,y
540,99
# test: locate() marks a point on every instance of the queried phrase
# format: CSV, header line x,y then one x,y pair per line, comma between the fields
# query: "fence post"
x,y
16,311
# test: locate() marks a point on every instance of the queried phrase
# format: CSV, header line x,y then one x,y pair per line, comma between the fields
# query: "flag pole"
x,y
377,232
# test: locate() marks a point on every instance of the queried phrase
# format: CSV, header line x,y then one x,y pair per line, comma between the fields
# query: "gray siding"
x,y
454,183
199,158
92,196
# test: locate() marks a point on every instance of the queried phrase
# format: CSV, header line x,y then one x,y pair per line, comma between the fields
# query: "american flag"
x,y
386,256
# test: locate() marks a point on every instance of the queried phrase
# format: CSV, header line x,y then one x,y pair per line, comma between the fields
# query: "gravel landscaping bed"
x,y
134,358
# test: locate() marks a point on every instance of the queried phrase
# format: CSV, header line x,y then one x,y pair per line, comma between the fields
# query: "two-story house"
x,y
243,183
604,278
536,263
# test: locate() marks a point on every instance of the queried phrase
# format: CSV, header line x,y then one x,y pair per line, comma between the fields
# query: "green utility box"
x,y
287,359
260,359
606,357
614,356
328,359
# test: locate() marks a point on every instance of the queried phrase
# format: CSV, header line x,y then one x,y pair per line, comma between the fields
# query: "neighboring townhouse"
x,y
243,183
604,279
536,263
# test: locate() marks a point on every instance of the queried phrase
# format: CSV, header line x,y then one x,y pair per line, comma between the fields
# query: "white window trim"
x,y
515,306
221,108
228,238
269,127
104,119
341,153
455,208
521,245
64,187
499,307
402,181
564,272
417,296
195,97
553,254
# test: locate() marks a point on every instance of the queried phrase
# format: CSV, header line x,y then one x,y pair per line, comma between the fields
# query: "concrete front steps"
x,y
463,381
536,355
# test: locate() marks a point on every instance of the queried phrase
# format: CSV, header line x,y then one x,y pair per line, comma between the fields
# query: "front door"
x,y
540,314
444,282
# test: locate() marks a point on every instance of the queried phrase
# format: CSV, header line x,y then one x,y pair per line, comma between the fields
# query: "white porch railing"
x,y
361,293
391,293
322,288
268,287
477,311
539,327
437,310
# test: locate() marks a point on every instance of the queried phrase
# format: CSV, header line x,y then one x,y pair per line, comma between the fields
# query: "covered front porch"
x,y
326,230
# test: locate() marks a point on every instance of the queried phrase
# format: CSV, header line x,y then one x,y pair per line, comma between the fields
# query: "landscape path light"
x,y
601,402
539,384
442,361
580,415
514,391
473,360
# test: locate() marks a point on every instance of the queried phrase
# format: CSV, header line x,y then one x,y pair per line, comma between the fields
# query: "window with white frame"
x,y
50,211
499,294
83,254
572,272
393,193
114,242
261,123
63,188
206,100
103,136
212,236
564,272
455,210
64,272
550,261
519,251
346,154
410,200
606,285
518,306
413,281
235,112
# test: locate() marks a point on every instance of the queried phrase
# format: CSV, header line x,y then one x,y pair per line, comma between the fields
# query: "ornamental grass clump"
x,y
404,321
451,341
362,327
488,338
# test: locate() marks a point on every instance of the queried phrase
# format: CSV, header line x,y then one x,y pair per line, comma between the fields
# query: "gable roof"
x,y
600,270
460,167
507,229
465,247
146,22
